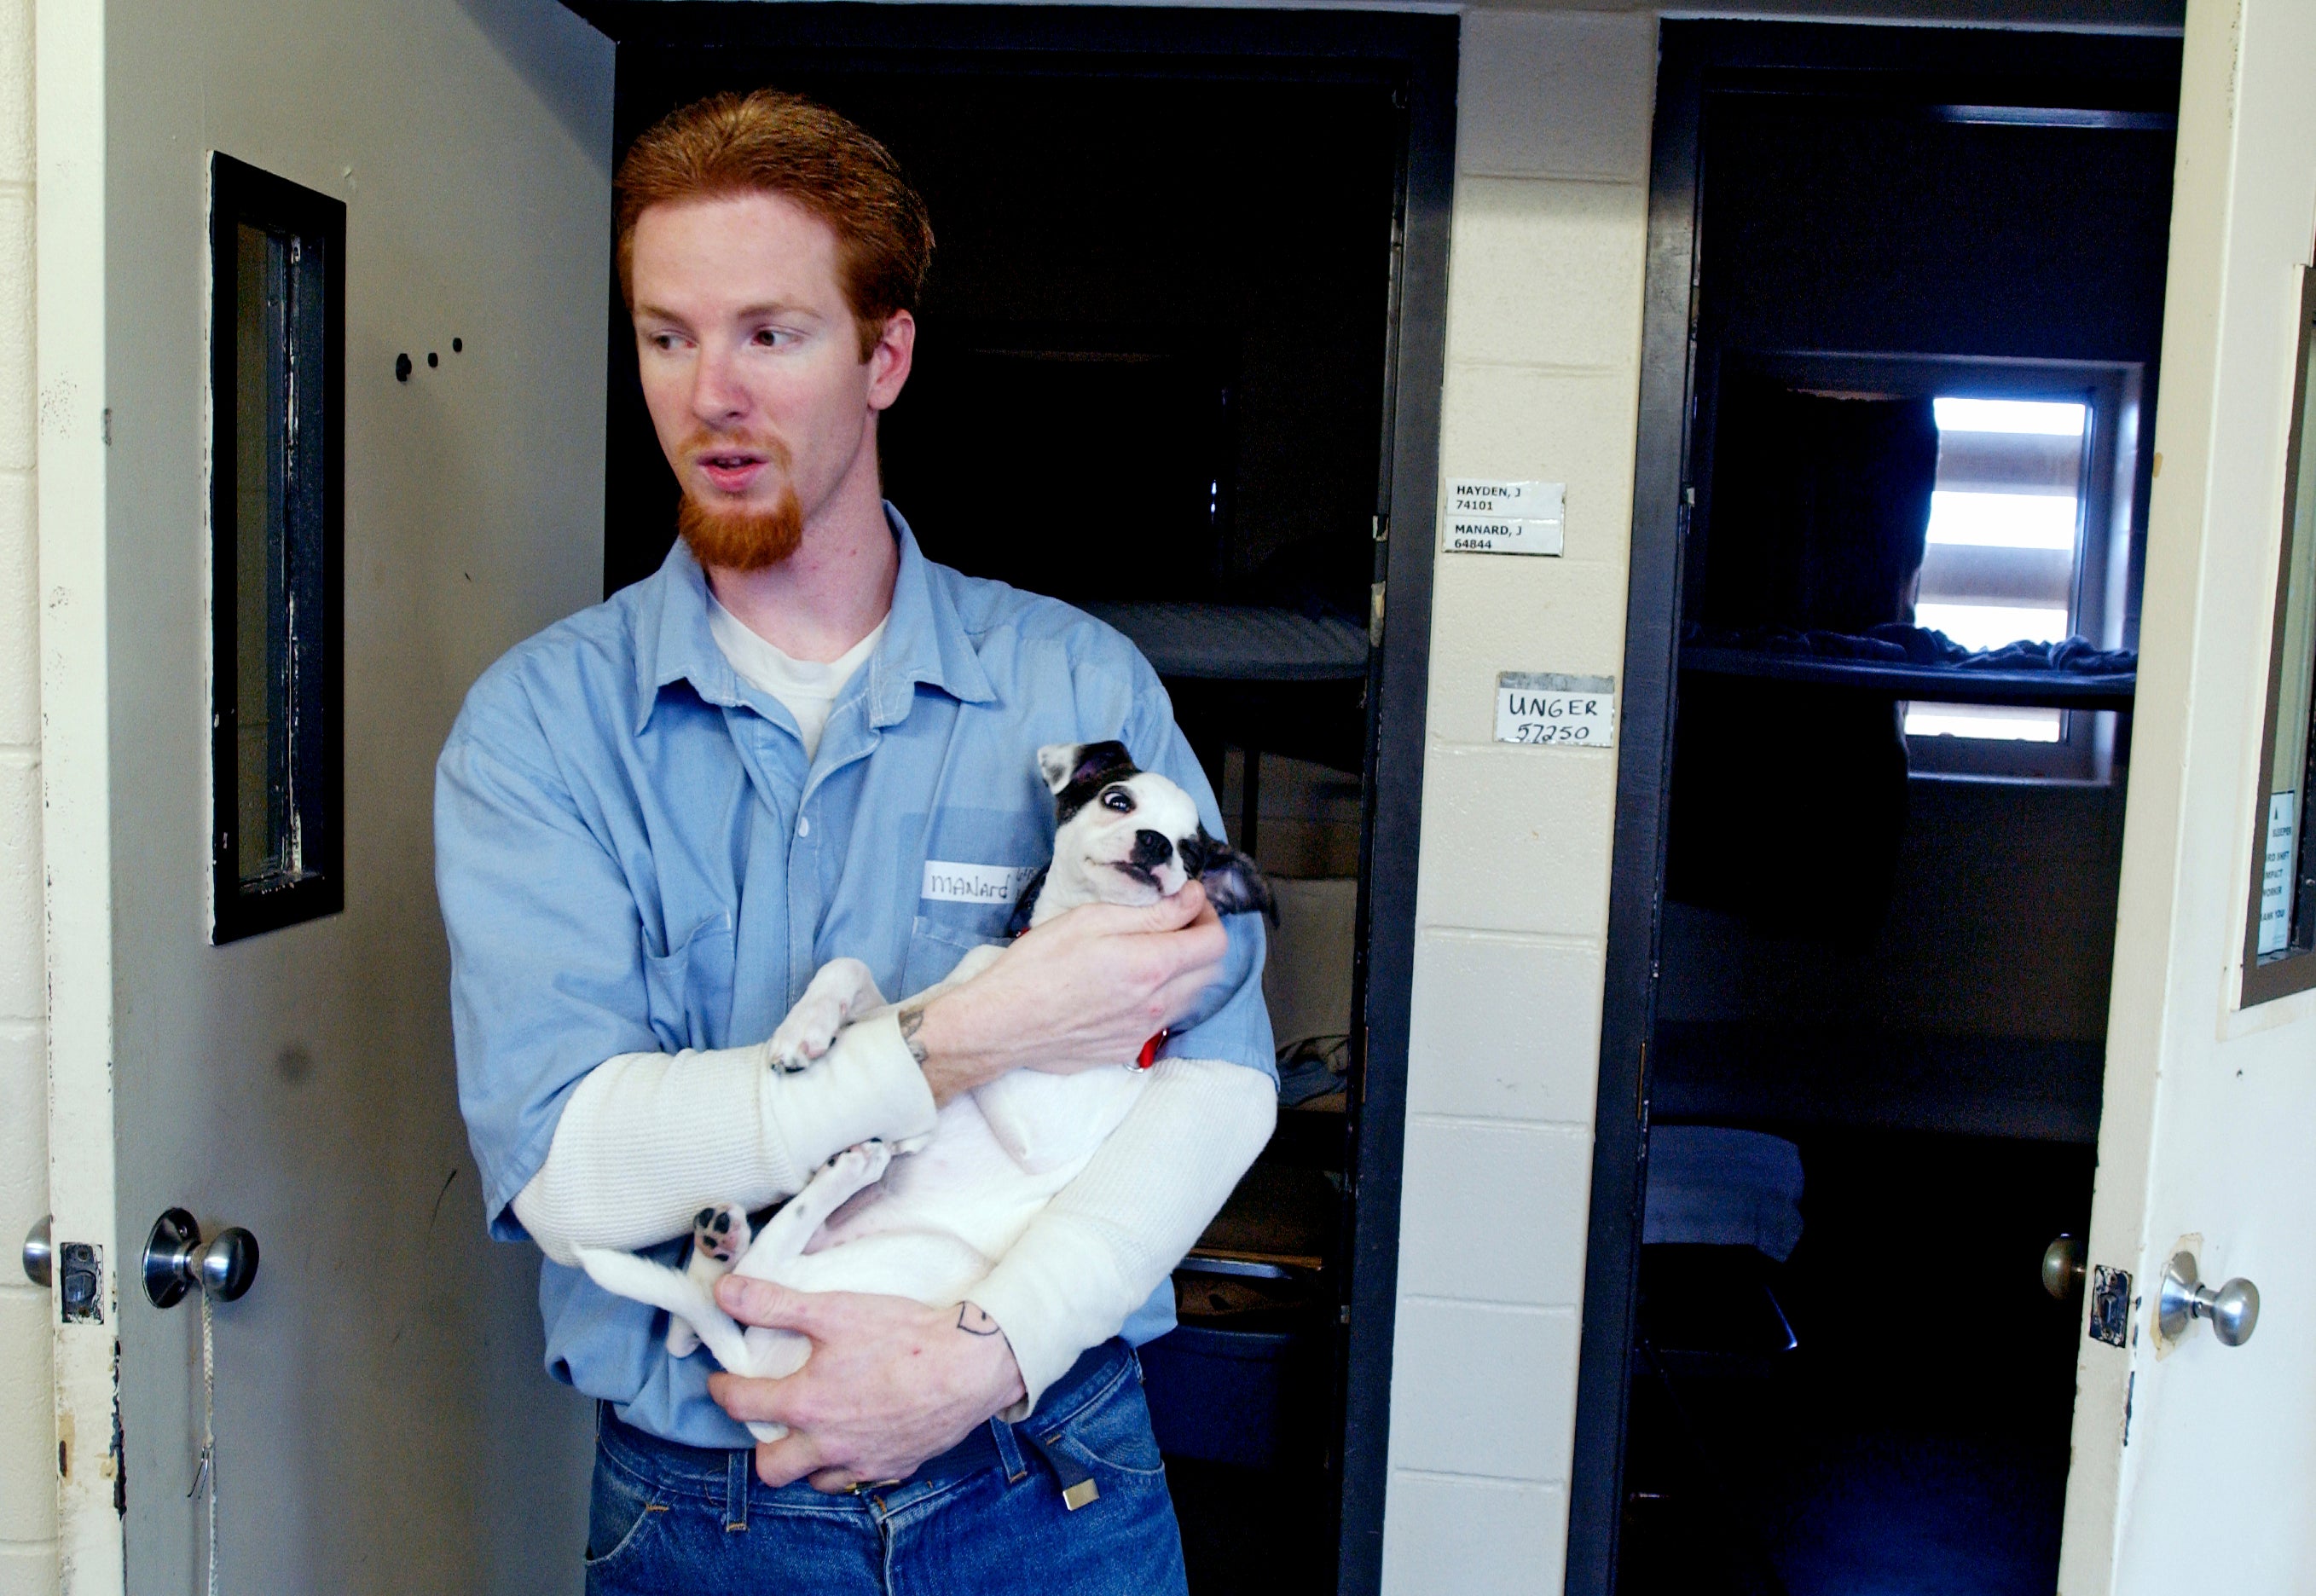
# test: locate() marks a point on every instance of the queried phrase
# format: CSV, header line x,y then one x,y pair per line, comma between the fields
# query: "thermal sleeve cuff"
x,y
647,1139
1112,1234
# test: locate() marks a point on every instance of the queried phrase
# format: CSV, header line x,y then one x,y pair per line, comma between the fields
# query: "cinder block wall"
x,y
1543,335
28,1474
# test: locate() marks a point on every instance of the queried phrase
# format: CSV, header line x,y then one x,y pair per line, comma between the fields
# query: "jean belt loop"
x,y
1008,1451
737,1471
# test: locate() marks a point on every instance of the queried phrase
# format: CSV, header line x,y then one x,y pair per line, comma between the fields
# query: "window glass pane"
x,y
2295,668
263,435
2005,520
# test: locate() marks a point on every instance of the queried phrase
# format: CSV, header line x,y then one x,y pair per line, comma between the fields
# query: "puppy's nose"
x,y
1152,848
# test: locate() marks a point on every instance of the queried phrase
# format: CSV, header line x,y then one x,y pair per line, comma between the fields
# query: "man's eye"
x,y
1117,800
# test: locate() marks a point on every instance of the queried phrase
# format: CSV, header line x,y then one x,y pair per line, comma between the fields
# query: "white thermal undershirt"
x,y
807,687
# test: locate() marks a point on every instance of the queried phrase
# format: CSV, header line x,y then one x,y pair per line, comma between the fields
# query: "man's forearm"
x,y
646,1140
1112,1234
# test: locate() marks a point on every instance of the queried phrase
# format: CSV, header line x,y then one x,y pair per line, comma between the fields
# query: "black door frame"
x,y
2005,68
1416,55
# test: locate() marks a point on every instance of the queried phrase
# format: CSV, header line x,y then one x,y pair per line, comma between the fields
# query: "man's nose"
x,y
1150,848
717,392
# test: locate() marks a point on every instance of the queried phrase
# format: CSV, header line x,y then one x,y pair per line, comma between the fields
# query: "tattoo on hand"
x,y
974,1322
913,1020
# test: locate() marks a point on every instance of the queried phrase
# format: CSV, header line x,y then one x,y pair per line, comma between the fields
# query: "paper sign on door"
x,y
1543,708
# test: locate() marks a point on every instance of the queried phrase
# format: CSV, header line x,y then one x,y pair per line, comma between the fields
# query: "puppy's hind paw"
x,y
862,1164
720,1235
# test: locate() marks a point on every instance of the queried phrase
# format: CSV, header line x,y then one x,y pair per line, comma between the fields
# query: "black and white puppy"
x,y
928,1219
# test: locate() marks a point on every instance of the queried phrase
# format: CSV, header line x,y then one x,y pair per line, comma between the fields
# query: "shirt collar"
x,y
925,640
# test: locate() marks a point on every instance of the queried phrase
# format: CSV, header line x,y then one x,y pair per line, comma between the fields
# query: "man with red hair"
x,y
801,740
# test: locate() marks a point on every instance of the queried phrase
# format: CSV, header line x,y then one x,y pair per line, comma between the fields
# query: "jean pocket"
x,y
1113,1432
621,1511
688,989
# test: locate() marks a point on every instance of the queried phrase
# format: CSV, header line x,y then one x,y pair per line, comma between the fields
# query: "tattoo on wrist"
x,y
974,1322
913,1020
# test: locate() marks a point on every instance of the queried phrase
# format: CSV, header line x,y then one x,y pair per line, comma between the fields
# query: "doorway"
x,y
1179,364
1902,325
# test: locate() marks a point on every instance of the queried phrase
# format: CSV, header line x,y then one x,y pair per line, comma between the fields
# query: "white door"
x,y
381,1420
2192,1470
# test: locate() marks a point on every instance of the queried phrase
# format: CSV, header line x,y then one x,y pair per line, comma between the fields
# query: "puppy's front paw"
x,y
843,989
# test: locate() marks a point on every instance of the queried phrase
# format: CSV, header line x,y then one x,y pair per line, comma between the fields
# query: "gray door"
x,y
381,1420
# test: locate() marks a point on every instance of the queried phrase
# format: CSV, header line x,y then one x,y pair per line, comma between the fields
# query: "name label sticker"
x,y
1470,496
974,883
1545,709
1485,535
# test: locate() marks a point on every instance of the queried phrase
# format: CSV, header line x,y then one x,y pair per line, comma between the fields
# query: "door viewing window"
x,y
277,275
2283,931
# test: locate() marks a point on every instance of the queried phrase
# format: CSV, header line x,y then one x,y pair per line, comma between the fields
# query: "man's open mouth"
x,y
731,470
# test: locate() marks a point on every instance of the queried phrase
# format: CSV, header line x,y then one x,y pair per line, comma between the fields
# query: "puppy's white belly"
x,y
941,1217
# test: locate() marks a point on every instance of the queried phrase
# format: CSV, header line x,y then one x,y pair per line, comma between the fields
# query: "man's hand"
x,y
1089,986
890,1383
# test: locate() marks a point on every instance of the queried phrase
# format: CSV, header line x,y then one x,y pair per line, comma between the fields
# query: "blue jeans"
x,y
986,1519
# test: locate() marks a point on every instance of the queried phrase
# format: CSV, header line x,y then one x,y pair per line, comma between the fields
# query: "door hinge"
x,y
1375,617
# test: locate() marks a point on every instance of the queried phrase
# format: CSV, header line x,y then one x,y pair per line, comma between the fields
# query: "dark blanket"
x,y
1898,643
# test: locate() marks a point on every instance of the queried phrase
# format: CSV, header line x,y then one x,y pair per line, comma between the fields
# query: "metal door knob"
x,y
2063,1267
2234,1309
40,1254
176,1259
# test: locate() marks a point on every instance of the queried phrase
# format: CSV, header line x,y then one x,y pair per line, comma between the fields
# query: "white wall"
x,y
1544,334
28,1478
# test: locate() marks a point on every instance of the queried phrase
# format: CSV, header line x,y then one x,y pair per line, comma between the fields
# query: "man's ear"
x,y
1069,764
1233,883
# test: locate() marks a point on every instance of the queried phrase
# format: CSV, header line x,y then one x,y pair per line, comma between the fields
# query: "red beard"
x,y
738,536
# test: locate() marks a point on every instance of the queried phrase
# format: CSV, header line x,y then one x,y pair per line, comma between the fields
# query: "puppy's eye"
x,y
1118,799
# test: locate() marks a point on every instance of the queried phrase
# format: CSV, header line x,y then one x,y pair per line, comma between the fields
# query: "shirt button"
x,y
804,827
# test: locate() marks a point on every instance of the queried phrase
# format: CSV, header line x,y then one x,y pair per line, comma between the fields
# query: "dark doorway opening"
x,y
1902,322
1180,363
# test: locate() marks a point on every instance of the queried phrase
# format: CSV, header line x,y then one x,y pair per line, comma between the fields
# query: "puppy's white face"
x,y
1127,836
1124,845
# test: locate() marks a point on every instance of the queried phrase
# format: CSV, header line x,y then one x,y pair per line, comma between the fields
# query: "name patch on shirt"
x,y
974,883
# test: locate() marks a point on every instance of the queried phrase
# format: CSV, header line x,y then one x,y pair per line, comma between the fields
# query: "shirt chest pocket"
x,y
935,947
690,988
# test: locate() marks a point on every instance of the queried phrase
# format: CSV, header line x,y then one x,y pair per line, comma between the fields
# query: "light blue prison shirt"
x,y
634,855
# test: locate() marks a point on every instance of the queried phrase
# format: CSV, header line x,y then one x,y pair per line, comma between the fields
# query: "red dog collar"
x,y
1149,1055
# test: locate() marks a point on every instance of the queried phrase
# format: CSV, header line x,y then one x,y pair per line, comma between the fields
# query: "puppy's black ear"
x,y
1233,883
1066,765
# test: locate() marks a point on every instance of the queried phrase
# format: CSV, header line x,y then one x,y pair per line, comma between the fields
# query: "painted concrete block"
x,y
1516,838
23,1133
1483,1390
1495,1213
1493,612
1575,429
28,1456
1546,273
28,1570
22,957
20,616
1476,1538
17,353
1556,96
1505,1027
16,92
